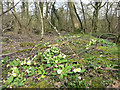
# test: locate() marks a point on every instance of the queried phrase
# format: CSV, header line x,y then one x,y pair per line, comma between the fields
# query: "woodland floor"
x,y
101,63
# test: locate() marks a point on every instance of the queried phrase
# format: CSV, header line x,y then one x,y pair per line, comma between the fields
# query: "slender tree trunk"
x,y
36,9
13,5
107,18
1,43
97,6
78,18
27,8
118,36
41,6
8,6
1,11
23,9
42,22
74,20
52,15
57,16
83,15
46,9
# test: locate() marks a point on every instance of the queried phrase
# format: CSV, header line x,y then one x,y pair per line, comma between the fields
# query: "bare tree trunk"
x,y
97,6
74,20
1,43
27,8
83,15
13,6
107,18
8,6
117,41
52,14
23,9
46,9
36,9
79,19
42,22
57,16
41,6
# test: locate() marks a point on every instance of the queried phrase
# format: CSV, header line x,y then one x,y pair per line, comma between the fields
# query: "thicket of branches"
x,y
33,17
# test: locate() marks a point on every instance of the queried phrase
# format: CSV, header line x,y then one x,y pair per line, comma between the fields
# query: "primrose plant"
x,y
92,42
51,60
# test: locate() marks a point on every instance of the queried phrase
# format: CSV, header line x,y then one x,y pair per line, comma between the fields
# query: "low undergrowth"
x,y
93,68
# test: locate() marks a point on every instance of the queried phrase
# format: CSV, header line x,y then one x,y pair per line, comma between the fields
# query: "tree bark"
x,y
118,36
27,8
74,20
42,22
13,6
23,9
107,18
83,16
97,6
78,18
8,7
46,9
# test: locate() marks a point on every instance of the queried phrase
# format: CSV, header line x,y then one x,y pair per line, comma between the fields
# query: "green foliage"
x,y
20,70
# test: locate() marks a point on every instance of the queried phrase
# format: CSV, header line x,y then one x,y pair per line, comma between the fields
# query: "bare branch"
x,y
9,9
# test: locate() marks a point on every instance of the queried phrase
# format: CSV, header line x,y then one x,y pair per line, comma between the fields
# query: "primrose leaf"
x,y
70,72
54,73
11,64
61,76
10,79
48,65
83,70
62,61
15,63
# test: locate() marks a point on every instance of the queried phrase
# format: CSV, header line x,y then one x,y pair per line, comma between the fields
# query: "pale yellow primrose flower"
x,y
27,71
101,55
14,68
17,59
56,61
79,77
56,65
59,71
75,70
29,62
79,69
8,65
21,63
24,61
2,60
14,74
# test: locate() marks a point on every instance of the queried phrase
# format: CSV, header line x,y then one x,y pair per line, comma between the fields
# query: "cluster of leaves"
x,y
92,42
51,62
106,43
102,41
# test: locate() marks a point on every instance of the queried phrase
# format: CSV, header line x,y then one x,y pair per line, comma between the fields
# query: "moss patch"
x,y
24,44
